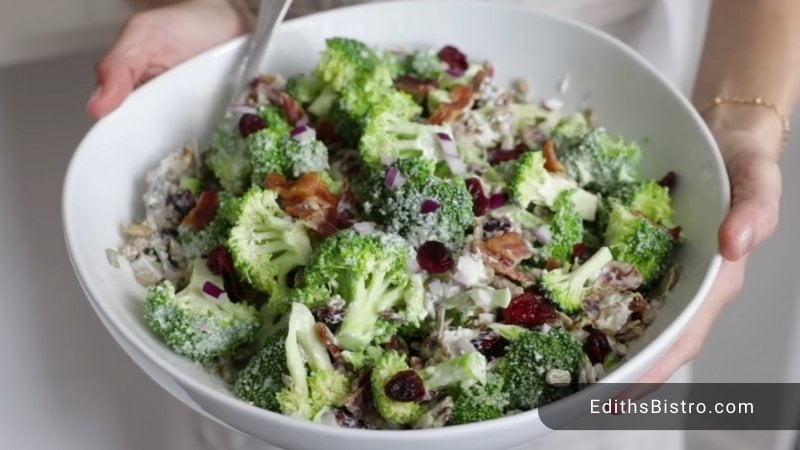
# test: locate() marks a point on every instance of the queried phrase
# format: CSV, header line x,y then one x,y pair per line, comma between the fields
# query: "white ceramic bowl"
x,y
104,183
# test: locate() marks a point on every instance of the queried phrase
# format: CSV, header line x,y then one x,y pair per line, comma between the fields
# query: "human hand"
x,y
156,40
749,150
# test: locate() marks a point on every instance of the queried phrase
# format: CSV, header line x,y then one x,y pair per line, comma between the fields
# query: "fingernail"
x,y
745,241
98,91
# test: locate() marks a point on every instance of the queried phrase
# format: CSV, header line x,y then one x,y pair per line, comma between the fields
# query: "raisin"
x,y
329,315
496,227
490,344
499,155
669,180
405,386
183,200
596,345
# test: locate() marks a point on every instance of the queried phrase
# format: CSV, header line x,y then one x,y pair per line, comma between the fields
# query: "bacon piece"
x,y
329,340
484,74
203,212
263,91
276,182
551,163
294,112
462,99
415,87
503,253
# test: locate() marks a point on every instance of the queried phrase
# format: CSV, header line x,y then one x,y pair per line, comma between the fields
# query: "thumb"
x,y
756,191
118,72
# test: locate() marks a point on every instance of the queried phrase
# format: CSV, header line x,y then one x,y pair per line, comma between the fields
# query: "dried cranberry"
x,y
581,252
251,123
499,155
346,420
491,344
669,180
596,345
434,257
405,386
496,227
480,202
183,200
675,233
329,315
456,61
219,261
528,309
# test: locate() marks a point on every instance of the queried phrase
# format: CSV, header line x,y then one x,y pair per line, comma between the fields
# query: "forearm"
x,y
752,50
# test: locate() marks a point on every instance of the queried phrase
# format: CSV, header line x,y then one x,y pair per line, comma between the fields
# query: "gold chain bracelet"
x,y
753,101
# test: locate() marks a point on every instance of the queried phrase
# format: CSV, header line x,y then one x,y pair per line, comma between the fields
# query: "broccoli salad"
x,y
394,241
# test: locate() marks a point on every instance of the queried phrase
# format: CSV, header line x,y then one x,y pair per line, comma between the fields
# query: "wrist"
x,y
758,123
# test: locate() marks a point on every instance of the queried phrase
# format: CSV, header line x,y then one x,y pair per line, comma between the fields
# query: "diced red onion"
x,y
455,73
242,109
394,178
364,228
212,290
429,206
450,153
543,234
553,104
303,134
497,200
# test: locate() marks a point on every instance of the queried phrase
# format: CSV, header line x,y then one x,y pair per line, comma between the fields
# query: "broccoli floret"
x,y
228,158
347,61
399,208
436,97
568,288
481,402
393,61
571,129
464,371
635,240
425,64
566,228
528,359
600,160
649,198
196,244
529,182
304,88
370,273
293,374
263,377
357,106
389,137
398,413
284,155
266,244
195,326
275,120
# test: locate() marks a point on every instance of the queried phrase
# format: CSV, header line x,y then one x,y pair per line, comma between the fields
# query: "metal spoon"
x,y
270,14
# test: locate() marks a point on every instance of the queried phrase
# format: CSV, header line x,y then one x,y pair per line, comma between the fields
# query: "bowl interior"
x,y
106,177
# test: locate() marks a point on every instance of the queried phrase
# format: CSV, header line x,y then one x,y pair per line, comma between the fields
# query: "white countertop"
x,y
65,384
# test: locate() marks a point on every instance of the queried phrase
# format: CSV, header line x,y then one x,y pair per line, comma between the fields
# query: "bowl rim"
x,y
660,343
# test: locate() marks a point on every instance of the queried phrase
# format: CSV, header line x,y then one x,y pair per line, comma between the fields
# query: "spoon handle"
x,y
270,14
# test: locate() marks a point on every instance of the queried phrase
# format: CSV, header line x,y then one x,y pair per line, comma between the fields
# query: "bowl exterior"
x,y
104,183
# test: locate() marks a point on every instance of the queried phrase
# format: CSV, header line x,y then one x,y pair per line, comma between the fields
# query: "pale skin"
x,y
752,49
